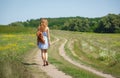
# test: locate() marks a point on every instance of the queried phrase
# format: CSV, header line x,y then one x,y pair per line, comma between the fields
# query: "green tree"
x,y
16,24
109,24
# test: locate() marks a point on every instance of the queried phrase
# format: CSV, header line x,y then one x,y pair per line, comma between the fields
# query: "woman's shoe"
x,y
46,62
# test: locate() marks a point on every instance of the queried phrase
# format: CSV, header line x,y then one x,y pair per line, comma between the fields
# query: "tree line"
x,y
106,24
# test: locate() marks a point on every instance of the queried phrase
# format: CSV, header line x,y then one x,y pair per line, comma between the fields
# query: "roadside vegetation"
x,y
14,43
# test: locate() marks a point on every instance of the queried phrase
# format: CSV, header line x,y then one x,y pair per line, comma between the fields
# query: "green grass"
x,y
12,47
101,51
14,43
65,66
16,29
97,50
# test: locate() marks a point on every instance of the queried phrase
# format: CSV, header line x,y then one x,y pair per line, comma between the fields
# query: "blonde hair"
x,y
43,24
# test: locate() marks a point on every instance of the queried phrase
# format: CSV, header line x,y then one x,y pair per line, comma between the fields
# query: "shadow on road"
x,y
30,63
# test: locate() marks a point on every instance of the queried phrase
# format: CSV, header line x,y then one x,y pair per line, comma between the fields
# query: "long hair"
x,y
43,24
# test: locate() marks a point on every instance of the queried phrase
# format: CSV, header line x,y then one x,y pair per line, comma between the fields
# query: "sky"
x,y
22,10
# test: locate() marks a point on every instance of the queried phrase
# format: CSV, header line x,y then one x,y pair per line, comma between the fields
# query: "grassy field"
x,y
65,66
100,51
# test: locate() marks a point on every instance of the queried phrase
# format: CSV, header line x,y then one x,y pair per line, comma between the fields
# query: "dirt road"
x,y
34,60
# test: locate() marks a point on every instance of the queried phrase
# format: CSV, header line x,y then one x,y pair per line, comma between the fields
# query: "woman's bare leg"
x,y
43,57
46,57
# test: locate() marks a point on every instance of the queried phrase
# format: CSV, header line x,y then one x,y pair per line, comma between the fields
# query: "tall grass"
x,y
14,43
16,29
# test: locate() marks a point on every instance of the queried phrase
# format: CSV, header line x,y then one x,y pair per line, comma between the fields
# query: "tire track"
x,y
62,53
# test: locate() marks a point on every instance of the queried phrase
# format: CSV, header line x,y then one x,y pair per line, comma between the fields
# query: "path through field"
x,y
52,71
62,53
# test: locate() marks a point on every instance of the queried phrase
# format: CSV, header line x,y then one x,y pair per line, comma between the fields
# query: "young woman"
x,y
43,39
